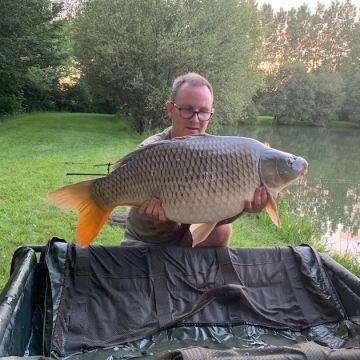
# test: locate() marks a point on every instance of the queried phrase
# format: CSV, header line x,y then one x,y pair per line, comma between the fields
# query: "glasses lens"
x,y
204,116
187,113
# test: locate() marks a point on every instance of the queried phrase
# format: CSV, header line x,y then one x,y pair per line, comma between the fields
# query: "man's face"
x,y
197,98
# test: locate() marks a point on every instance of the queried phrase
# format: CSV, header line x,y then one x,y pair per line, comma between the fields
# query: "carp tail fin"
x,y
90,221
91,216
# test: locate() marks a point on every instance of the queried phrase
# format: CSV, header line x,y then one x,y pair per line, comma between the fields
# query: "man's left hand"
x,y
259,202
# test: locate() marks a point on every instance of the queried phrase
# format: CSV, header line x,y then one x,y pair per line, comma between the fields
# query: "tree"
x,y
273,36
292,96
336,36
299,33
323,38
30,42
350,72
351,106
329,95
132,51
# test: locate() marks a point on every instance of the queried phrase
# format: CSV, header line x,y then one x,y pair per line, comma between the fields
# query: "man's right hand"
x,y
154,211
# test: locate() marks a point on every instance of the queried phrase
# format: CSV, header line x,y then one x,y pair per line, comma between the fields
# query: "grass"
x,y
36,153
254,230
38,150
266,120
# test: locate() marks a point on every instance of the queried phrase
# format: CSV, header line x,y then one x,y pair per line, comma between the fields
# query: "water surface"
x,y
330,192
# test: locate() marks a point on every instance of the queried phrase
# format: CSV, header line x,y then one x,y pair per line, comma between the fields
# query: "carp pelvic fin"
x,y
271,209
200,232
91,216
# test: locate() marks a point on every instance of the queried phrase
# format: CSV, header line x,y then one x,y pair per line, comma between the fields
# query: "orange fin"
x,y
72,197
91,216
91,220
200,232
271,209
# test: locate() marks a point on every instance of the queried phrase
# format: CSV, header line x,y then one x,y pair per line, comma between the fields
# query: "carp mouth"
x,y
305,170
291,176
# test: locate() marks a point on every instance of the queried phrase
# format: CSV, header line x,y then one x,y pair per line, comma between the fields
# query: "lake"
x,y
330,191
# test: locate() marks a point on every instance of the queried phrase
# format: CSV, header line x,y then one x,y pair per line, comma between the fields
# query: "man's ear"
x,y
169,107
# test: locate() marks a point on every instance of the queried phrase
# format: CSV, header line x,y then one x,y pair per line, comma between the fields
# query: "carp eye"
x,y
290,161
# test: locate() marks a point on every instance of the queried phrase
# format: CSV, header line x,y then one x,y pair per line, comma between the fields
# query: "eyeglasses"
x,y
188,113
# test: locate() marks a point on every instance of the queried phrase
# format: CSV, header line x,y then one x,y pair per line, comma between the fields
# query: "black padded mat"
x,y
116,295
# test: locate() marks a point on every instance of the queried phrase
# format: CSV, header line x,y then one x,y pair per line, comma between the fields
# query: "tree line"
x,y
122,56
313,63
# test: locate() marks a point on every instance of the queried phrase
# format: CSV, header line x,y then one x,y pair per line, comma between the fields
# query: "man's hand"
x,y
154,211
259,203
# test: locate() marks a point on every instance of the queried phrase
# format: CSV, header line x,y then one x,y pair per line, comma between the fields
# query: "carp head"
x,y
278,169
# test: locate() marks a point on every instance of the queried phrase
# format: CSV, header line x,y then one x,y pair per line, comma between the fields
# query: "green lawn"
x,y
38,150
36,153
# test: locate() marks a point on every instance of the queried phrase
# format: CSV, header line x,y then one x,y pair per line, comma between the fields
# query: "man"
x,y
190,110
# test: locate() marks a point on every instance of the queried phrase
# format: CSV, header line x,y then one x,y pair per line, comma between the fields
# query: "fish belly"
x,y
198,179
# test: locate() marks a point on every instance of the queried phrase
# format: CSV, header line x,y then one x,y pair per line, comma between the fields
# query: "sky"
x,y
288,4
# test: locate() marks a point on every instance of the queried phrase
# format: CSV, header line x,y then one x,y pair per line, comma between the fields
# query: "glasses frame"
x,y
194,112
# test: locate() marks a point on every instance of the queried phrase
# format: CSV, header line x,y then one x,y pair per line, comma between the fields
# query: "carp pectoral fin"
x,y
91,216
200,232
271,209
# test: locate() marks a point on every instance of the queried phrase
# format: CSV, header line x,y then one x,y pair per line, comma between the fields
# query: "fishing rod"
x,y
335,181
90,174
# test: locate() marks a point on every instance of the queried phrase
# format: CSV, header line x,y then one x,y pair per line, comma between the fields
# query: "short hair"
x,y
192,79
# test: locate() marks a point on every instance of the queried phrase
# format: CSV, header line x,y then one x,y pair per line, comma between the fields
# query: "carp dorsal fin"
x,y
271,209
190,136
127,157
200,232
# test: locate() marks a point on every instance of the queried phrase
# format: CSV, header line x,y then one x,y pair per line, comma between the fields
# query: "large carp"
x,y
200,180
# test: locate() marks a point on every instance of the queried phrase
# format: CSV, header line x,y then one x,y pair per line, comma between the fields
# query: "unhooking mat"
x,y
116,295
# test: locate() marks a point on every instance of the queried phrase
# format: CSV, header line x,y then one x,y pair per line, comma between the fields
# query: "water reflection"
x,y
333,206
330,193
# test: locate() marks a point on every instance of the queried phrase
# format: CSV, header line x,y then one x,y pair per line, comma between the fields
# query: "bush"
x,y
9,104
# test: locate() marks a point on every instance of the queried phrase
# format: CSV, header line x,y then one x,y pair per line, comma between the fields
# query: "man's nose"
x,y
195,116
